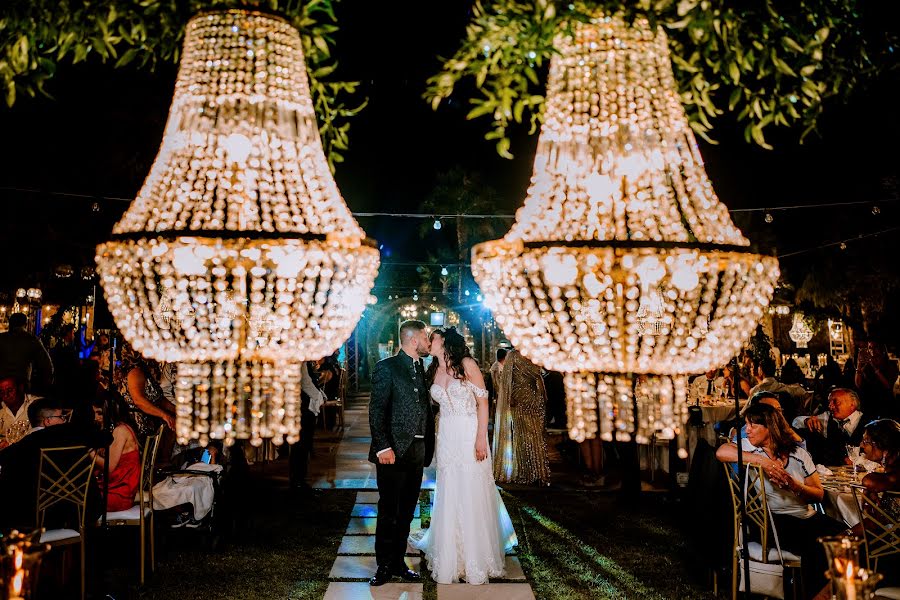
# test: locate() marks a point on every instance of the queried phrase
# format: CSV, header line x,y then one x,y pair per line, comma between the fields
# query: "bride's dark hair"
x,y
455,350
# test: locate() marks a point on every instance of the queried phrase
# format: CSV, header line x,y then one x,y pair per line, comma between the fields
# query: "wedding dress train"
x,y
470,528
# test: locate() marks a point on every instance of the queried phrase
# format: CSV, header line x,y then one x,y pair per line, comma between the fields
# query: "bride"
x,y
470,529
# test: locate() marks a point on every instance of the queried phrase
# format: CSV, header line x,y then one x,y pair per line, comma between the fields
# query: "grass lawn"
x,y
286,555
572,544
577,545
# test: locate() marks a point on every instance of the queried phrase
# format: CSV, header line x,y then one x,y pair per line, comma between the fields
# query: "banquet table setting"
x,y
839,482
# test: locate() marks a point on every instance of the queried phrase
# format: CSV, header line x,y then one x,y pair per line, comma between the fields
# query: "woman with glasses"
x,y
881,443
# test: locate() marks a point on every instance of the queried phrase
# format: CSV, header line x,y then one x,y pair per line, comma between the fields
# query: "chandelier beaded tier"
x,y
239,254
622,269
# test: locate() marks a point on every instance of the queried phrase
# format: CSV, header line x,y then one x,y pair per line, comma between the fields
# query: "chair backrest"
x,y
342,388
734,490
757,509
148,467
881,530
64,476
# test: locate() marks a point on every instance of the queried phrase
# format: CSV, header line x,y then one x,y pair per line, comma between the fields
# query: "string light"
x,y
769,218
238,258
444,271
437,224
622,268
791,207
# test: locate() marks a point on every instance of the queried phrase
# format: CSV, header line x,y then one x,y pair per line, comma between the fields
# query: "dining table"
x,y
840,502
713,409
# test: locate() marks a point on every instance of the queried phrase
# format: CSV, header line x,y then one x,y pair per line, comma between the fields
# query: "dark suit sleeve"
x,y
380,407
42,366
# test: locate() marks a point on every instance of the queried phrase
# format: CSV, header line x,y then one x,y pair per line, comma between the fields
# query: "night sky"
x,y
100,132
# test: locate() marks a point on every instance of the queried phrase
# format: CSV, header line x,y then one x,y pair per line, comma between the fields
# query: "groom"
x,y
402,424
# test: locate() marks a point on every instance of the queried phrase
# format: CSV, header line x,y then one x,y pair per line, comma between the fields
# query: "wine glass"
x,y
855,457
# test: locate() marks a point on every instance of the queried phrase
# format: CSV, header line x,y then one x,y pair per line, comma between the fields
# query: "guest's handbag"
x,y
766,578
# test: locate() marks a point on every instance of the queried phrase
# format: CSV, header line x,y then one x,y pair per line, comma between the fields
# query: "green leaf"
x,y
782,66
734,72
127,57
482,108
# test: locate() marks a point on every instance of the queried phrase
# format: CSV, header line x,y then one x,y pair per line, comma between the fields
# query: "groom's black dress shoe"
x,y
406,574
381,576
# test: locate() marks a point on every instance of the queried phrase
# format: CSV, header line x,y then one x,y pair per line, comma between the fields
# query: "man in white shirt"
x,y
829,433
312,399
710,384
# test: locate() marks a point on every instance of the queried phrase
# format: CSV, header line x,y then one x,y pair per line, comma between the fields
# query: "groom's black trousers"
x,y
399,485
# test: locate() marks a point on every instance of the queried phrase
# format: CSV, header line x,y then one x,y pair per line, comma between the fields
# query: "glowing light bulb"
x,y
444,271
437,224
560,269
237,148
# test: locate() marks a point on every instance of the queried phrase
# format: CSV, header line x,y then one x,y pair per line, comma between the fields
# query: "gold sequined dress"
x,y
525,399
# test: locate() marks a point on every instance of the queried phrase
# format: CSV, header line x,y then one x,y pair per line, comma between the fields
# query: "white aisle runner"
x,y
355,562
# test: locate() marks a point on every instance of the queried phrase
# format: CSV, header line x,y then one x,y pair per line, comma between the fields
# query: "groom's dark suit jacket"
x,y
399,408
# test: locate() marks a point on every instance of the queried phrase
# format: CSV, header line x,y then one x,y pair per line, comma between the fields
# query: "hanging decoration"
x,y
239,257
800,332
623,269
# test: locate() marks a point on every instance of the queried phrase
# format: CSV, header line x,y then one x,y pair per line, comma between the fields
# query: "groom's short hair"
x,y
410,328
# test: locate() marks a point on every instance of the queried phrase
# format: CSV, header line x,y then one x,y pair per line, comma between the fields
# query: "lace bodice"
x,y
458,398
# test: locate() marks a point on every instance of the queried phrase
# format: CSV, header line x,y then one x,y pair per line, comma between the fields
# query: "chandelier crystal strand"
x,y
239,248
622,261
253,400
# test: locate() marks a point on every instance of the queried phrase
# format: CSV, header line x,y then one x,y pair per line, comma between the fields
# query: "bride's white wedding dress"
x,y
470,529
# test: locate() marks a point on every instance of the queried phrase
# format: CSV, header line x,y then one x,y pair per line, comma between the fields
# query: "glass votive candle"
x,y
856,584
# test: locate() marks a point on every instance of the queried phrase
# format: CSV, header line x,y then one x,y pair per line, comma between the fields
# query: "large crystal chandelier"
x,y
623,269
238,259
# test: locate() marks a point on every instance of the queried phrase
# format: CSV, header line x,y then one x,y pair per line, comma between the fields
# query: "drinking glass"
x,y
855,457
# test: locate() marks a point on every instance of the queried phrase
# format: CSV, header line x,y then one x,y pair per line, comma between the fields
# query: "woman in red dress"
x,y
124,452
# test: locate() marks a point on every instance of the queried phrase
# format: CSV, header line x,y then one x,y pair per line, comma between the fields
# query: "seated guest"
x,y
19,462
881,443
828,434
792,484
110,412
710,384
743,387
770,399
766,382
138,382
14,403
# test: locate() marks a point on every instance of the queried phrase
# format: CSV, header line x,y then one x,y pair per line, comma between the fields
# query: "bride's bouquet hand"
x,y
481,450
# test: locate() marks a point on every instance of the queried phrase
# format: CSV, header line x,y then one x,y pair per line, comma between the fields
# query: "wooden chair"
x,y
64,476
141,514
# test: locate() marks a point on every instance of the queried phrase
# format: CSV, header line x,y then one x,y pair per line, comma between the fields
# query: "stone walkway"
x,y
348,468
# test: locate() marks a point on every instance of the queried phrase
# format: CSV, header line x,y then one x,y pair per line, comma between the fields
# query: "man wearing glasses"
x,y
19,462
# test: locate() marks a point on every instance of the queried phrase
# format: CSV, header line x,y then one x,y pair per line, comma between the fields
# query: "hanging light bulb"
x,y
238,258
769,217
466,292
437,224
622,269
444,271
